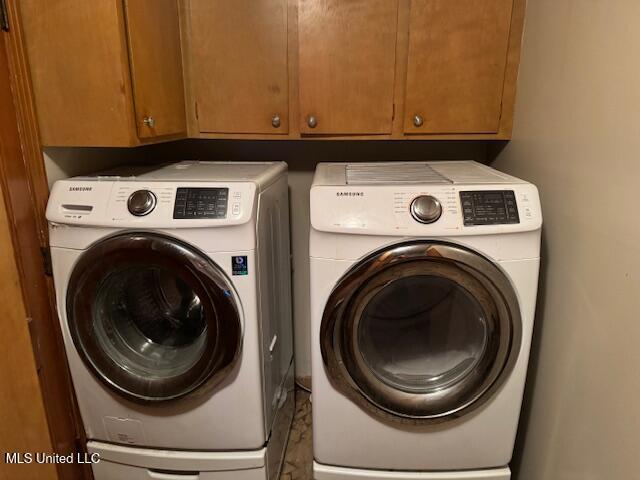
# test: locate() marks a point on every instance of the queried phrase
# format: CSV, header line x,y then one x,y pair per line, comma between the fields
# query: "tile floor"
x,y
299,455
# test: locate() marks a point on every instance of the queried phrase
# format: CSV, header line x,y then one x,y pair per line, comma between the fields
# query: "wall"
x,y
62,163
302,156
577,136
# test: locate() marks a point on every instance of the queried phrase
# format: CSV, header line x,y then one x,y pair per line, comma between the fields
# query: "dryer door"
x,y
421,332
153,318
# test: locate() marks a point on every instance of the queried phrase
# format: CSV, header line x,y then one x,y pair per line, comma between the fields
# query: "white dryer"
x,y
423,289
173,292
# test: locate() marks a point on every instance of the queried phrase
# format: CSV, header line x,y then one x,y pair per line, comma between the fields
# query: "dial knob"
x,y
426,209
141,203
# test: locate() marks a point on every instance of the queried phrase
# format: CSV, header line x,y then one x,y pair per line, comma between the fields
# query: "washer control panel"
x,y
193,203
489,207
152,204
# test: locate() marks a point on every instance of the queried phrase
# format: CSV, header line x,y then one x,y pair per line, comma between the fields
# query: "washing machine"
x,y
423,290
173,292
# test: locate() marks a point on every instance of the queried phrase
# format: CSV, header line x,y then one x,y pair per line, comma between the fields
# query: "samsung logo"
x,y
80,189
349,194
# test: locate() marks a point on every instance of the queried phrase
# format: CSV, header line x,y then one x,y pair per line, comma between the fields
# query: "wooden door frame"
x,y
26,191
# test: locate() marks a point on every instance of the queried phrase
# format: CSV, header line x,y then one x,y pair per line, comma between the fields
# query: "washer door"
x,y
152,318
421,332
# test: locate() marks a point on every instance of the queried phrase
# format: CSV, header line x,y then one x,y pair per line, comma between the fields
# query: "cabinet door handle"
x,y
312,121
149,122
418,120
275,121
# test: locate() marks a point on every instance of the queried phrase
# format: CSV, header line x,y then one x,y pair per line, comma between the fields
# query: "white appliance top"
x,y
421,198
392,173
190,194
259,173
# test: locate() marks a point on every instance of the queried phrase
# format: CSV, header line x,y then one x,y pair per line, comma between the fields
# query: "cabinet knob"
x,y
149,122
275,121
418,120
312,121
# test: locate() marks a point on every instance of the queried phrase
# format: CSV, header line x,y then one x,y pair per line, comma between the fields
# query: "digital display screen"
x,y
489,207
201,203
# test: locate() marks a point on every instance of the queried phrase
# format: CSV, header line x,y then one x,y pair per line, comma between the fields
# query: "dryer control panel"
x,y
433,210
489,207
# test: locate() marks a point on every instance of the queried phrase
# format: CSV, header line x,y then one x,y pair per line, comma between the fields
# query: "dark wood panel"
x,y
25,192
22,414
456,69
347,65
238,54
80,72
153,31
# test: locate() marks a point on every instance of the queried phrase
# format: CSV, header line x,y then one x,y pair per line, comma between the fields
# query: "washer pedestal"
x,y
326,472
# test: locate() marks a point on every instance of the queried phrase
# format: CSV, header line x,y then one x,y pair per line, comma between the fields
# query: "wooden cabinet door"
x,y
155,58
347,65
79,71
456,65
238,53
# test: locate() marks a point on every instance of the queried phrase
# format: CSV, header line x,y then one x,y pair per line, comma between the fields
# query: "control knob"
x,y
141,203
426,209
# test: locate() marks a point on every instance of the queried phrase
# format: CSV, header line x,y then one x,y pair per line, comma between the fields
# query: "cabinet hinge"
x,y
35,343
79,445
46,260
4,15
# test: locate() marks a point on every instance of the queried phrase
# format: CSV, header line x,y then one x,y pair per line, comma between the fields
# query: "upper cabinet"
x,y
105,73
457,60
346,66
238,66
155,60
129,72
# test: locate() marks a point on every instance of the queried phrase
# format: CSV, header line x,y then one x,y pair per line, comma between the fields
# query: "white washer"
x,y
173,291
423,290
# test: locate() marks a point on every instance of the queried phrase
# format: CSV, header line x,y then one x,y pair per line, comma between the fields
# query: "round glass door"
x,y
152,318
421,332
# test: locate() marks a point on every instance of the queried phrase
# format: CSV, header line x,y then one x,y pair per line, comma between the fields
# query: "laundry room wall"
x,y
67,162
301,156
577,136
